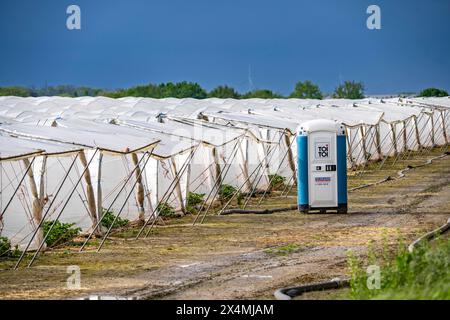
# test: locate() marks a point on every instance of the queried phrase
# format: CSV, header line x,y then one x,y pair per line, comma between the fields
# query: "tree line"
x,y
302,90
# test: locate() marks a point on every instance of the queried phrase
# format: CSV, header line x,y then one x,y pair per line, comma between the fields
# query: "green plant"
x,y
108,219
166,210
60,233
226,191
276,181
193,200
6,250
5,245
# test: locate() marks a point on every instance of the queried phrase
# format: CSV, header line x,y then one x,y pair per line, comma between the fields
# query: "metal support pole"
x,y
444,129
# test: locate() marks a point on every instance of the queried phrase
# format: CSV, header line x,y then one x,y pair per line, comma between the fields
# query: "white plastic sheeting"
x,y
194,145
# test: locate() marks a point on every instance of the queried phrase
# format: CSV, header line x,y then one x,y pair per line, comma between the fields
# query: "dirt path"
x,y
246,256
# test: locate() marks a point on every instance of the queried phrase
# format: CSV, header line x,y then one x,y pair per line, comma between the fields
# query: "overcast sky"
x,y
124,43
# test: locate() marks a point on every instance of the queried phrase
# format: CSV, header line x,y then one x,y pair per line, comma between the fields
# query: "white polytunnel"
x,y
13,149
73,159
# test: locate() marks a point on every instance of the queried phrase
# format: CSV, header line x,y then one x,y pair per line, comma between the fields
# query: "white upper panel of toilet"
x,y
320,125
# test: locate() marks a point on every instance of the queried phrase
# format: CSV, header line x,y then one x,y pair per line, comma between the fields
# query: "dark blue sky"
x,y
124,43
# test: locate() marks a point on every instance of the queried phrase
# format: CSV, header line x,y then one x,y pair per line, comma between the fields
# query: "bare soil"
x,y
248,256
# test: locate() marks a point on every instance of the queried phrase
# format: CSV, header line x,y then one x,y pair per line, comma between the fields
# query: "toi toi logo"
x,y
323,151
73,21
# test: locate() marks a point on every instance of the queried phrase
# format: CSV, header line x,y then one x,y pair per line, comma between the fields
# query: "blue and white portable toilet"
x,y
322,166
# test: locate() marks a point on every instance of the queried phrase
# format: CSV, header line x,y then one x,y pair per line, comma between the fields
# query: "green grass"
x,y
422,274
283,250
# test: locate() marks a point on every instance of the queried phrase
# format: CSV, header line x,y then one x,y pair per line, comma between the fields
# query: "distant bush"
x,y
262,94
179,90
349,90
433,92
224,92
306,90
60,233
15,91
108,219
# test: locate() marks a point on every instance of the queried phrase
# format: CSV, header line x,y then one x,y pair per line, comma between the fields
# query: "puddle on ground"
x,y
106,297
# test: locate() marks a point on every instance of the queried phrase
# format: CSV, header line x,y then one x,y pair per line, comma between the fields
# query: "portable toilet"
x,y
322,166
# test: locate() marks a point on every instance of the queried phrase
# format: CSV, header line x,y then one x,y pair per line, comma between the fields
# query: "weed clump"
x,y
60,233
6,250
421,274
277,182
166,210
193,201
108,219
227,191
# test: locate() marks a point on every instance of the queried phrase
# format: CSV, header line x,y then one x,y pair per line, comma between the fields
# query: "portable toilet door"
x,y
322,166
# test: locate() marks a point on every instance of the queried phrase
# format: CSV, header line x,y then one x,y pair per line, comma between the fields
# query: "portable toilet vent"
x,y
322,166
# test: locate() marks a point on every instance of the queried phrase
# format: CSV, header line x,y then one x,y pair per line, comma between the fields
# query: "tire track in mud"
x,y
237,271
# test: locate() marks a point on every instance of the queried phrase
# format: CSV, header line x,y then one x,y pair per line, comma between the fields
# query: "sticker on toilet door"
x,y
322,181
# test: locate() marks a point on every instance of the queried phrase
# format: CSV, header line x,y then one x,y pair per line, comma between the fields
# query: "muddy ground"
x,y
249,256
